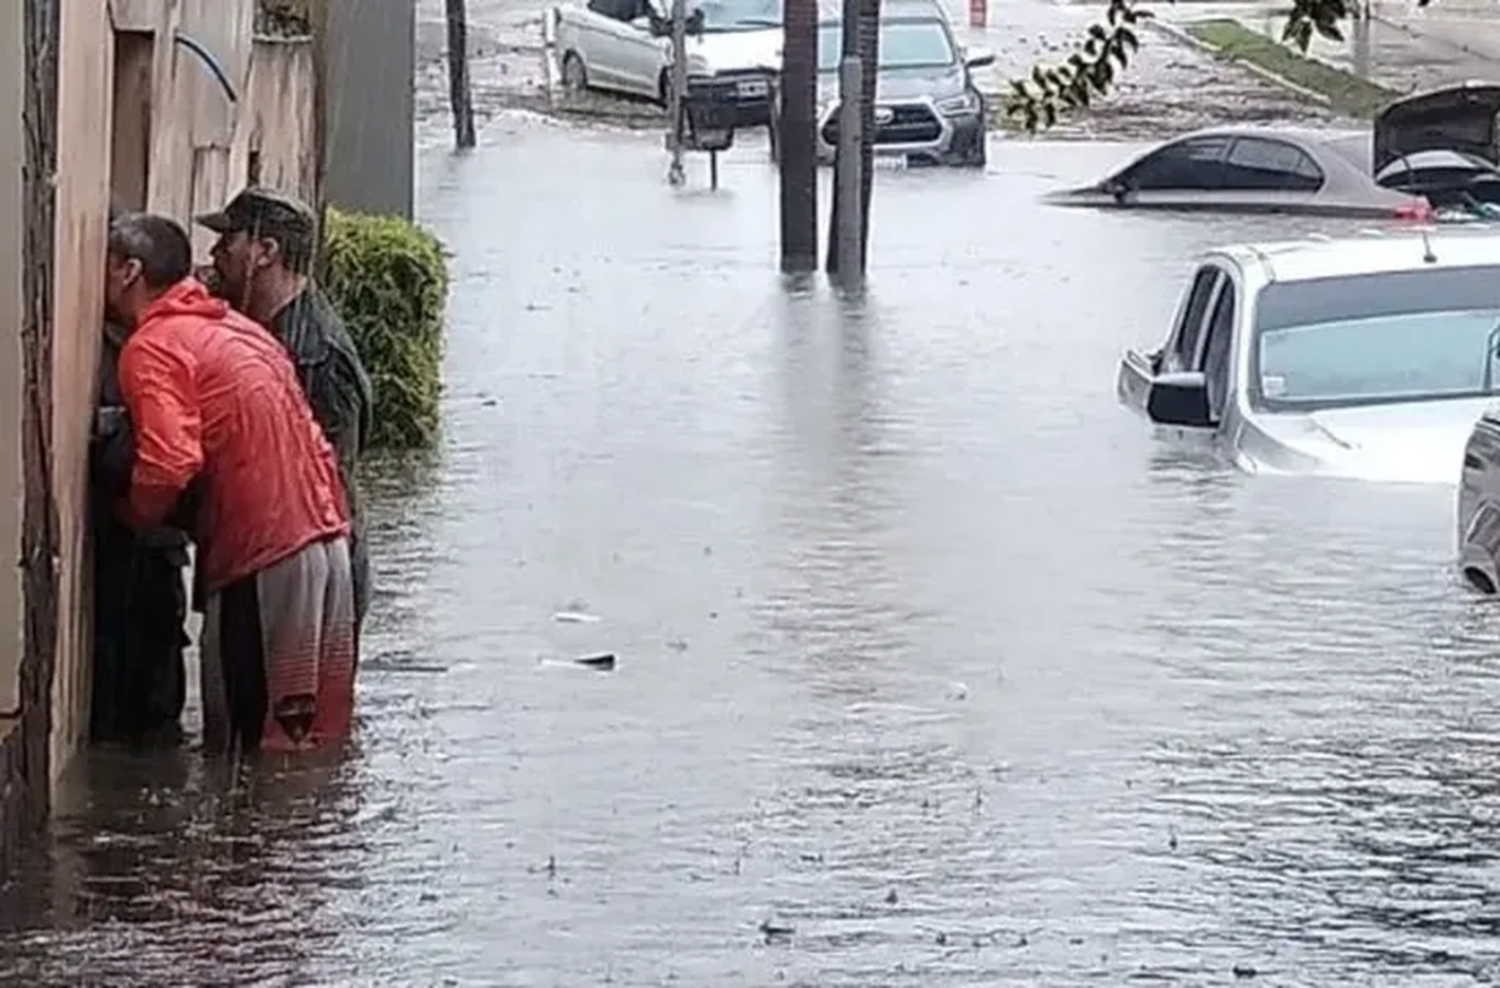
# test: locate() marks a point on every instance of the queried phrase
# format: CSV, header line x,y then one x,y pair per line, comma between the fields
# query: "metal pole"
x,y
850,176
713,170
678,87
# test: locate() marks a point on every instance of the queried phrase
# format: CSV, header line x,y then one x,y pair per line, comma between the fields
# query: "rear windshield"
x,y
1371,339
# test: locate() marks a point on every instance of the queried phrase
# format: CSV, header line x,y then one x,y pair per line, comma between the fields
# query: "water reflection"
x,y
236,866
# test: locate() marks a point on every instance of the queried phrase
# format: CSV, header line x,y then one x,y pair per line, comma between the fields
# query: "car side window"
x,y
1183,353
1263,164
620,10
1194,164
1217,353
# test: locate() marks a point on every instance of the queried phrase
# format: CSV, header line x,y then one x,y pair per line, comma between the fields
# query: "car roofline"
x,y
1316,256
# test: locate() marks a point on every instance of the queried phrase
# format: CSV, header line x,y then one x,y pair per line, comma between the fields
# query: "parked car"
x,y
1368,357
1433,151
624,46
927,108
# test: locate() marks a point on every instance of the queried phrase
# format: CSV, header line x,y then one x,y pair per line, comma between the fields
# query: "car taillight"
x,y
1417,210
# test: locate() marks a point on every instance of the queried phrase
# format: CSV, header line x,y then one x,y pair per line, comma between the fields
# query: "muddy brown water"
x,y
934,668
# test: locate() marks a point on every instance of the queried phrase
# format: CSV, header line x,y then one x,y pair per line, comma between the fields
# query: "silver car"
x,y
1433,151
1370,357
928,109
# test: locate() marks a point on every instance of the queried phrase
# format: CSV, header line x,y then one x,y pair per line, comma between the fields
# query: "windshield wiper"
x,y
1490,343
757,22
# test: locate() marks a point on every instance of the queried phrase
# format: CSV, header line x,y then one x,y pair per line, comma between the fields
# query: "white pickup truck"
x,y
611,45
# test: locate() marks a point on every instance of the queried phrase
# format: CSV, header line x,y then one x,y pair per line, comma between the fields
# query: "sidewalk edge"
x,y
1174,33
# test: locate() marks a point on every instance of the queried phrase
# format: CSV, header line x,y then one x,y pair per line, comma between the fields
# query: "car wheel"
x,y
575,76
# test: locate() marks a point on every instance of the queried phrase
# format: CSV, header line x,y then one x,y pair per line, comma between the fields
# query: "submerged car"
x,y
624,46
1432,151
1369,357
927,108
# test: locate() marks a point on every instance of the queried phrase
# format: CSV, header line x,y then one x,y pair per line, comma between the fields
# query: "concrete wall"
x,y
84,100
372,105
12,157
182,146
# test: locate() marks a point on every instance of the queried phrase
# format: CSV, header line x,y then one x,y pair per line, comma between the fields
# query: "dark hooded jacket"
x,y
334,380
140,603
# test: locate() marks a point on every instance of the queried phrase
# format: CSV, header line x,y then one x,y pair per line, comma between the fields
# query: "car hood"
x,y
728,51
1417,442
1458,118
895,85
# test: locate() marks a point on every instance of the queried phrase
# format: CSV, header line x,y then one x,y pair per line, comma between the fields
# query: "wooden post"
x,y
459,96
796,150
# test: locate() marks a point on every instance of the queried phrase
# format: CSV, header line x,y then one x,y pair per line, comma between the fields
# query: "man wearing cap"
x,y
262,261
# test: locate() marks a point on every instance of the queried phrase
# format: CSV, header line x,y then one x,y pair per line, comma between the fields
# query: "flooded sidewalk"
x,y
934,668
1403,48
1169,88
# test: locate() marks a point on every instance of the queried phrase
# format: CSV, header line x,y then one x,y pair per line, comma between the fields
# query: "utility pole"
x,y
796,150
854,163
869,50
459,96
675,135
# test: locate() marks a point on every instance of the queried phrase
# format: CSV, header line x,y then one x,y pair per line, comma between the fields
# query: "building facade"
x,y
164,105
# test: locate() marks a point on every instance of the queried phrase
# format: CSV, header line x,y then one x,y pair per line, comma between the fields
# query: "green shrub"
x,y
389,280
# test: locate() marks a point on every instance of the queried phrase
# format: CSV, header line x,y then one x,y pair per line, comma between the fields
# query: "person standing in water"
x,y
216,408
263,262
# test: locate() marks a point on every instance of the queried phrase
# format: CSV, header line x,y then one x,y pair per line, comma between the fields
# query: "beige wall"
x,y
84,98
197,150
276,124
12,155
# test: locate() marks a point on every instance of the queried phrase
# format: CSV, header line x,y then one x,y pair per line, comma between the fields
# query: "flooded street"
x,y
934,667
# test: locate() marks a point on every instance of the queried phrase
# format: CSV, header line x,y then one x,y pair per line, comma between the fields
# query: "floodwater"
x,y
934,666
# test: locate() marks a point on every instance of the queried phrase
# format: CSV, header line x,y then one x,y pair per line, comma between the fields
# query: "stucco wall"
x,y
84,98
12,155
371,105
275,125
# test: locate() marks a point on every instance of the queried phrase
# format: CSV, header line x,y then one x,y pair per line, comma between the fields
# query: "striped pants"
x,y
278,655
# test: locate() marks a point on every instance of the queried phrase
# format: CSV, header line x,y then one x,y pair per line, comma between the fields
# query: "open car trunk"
x,y
1458,118
1441,144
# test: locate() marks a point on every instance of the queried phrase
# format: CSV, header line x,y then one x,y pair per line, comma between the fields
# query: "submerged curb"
x,y
1175,33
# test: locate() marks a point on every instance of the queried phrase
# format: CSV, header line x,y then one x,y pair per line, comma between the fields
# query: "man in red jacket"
x,y
220,423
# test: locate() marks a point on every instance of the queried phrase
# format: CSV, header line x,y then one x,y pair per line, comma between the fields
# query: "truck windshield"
x,y
737,15
903,45
1377,338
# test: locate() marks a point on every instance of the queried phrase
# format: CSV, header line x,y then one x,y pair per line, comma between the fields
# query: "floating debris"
x,y
772,930
575,617
603,662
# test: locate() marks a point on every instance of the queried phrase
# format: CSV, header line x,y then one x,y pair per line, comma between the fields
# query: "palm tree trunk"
x,y
459,95
796,152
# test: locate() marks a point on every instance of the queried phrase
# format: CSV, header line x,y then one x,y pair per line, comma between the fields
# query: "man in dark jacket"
x,y
262,261
140,602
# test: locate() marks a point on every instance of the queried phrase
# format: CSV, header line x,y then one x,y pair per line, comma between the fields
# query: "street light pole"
x,y
847,255
675,135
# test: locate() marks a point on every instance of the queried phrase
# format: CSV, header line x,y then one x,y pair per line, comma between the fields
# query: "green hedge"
x,y
389,280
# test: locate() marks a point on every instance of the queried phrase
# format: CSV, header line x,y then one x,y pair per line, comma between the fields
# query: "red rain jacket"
x,y
213,396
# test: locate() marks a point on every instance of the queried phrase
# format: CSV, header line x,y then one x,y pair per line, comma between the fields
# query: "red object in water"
x,y
979,12
1417,210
